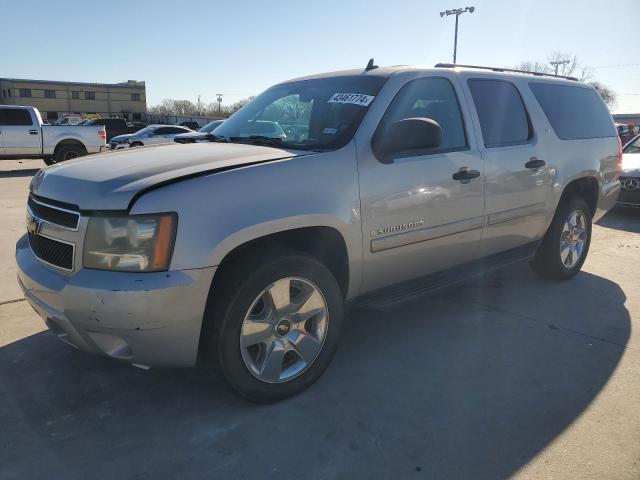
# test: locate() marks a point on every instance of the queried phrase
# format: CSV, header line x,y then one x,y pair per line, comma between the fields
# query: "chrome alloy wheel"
x,y
573,238
284,330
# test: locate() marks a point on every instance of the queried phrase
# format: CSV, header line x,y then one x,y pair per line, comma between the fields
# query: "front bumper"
x,y
148,319
630,193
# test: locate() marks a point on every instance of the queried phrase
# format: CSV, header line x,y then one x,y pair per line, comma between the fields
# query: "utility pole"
x,y
457,12
219,95
557,63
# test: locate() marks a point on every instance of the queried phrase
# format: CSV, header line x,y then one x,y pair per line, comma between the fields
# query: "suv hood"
x,y
110,181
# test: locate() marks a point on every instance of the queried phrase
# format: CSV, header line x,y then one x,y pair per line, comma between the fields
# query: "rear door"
x,y
518,181
20,132
417,217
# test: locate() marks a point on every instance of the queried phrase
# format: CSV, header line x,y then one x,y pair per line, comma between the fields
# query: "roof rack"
x,y
499,69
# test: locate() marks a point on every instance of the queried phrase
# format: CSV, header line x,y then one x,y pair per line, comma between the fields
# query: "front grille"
x,y
51,251
630,184
52,214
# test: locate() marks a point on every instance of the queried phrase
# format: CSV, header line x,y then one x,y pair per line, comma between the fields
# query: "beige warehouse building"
x,y
54,99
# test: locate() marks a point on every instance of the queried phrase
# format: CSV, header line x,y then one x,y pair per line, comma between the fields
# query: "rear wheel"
x,y
566,244
49,160
276,326
135,144
68,152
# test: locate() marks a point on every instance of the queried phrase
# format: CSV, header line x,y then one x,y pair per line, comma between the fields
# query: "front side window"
x,y
503,118
633,146
25,92
432,98
49,94
318,114
15,117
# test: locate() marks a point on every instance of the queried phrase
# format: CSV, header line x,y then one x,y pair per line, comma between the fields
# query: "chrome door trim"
x,y
516,213
424,234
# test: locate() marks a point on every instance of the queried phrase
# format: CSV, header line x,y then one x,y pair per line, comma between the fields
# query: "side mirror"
x,y
410,135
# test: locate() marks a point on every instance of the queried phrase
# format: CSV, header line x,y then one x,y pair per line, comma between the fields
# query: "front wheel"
x,y
277,325
565,246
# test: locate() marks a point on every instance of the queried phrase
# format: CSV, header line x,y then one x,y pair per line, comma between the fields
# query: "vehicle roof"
x,y
396,69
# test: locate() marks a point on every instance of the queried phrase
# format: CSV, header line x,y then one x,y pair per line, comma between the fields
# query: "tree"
x,y
607,94
169,106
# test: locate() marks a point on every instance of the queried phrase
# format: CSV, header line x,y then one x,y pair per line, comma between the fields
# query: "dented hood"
x,y
111,181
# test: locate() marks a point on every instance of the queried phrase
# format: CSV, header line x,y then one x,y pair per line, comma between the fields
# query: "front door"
x,y
518,181
20,132
421,213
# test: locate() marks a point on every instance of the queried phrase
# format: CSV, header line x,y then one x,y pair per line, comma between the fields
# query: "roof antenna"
x,y
370,65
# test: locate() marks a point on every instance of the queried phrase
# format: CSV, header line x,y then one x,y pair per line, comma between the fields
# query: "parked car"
x,y
630,174
243,251
149,135
134,127
201,134
23,134
114,126
191,125
69,119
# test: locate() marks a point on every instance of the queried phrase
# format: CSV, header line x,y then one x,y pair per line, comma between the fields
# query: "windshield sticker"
x,y
330,131
352,98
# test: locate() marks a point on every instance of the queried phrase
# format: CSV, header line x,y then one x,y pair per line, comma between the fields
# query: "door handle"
x,y
33,132
535,163
465,175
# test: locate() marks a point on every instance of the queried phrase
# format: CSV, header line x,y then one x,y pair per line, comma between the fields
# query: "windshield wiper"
x,y
271,141
211,137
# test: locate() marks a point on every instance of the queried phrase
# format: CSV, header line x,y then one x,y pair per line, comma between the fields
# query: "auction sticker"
x,y
352,98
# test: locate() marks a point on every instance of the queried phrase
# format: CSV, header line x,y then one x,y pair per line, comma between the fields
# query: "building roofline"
x,y
139,84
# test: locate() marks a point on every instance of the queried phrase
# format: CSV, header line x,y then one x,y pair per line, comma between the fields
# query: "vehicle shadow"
x,y
27,172
622,218
471,382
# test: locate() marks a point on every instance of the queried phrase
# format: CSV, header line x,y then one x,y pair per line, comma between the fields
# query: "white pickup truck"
x,y
23,135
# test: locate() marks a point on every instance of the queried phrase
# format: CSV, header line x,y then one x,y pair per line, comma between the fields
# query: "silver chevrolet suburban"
x,y
243,251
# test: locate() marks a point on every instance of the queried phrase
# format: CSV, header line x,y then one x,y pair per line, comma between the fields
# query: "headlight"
x,y
135,243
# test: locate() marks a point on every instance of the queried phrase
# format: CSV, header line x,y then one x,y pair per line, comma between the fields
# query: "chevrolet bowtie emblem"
x,y
33,224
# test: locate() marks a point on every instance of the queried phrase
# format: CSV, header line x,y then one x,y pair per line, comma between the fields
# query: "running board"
x,y
406,292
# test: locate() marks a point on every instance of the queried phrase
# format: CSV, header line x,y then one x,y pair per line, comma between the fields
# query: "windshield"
x,y
633,146
211,126
320,114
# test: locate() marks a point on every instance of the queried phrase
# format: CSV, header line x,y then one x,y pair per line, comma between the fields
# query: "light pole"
x,y
557,63
457,12
219,95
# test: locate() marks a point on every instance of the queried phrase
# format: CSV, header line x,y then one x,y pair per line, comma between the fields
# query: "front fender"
x,y
222,211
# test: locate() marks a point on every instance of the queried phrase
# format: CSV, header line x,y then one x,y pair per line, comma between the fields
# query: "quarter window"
x,y
432,98
501,111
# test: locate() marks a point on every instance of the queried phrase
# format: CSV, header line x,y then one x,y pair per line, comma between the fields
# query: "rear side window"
x,y
503,117
574,112
15,117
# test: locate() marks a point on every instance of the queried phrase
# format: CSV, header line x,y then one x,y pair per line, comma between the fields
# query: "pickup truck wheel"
x,y
68,152
565,246
279,325
49,160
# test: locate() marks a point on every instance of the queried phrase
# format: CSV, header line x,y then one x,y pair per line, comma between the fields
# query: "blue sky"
x,y
186,49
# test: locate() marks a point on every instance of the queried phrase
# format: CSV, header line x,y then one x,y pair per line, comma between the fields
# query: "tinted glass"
x,y
211,126
503,118
574,112
25,92
432,98
633,146
49,94
15,117
317,114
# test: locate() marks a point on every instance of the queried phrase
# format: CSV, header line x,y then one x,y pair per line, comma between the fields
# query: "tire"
x,y
269,368
135,144
551,260
69,152
48,160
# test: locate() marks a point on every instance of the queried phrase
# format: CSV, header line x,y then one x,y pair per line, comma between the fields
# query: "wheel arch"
x,y
586,187
69,141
